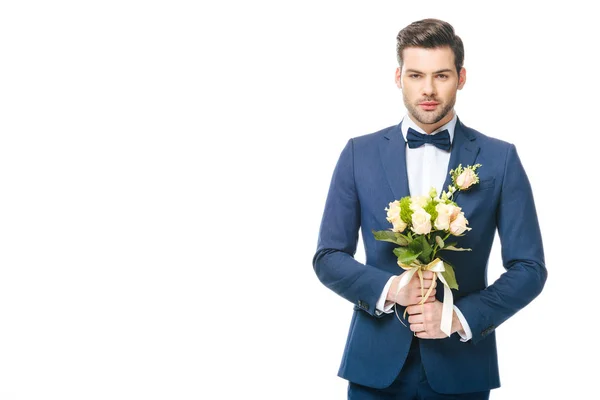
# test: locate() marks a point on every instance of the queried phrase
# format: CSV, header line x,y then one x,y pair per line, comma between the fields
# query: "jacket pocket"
x,y
485,184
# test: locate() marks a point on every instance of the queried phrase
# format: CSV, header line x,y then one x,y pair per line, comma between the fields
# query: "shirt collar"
x,y
407,122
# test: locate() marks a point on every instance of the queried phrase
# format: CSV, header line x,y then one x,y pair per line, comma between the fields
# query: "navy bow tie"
x,y
441,140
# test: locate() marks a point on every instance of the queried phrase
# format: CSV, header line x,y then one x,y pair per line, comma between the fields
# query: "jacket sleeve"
x,y
522,256
334,261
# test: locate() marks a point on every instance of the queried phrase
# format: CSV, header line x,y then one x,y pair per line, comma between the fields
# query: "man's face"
x,y
429,83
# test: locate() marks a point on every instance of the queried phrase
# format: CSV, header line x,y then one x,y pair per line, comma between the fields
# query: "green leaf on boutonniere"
x,y
449,276
392,237
405,255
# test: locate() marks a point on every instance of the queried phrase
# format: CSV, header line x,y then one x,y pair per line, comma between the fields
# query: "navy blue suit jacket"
x,y
370,173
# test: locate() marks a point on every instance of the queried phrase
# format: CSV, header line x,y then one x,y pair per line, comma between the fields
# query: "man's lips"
x,y
428,105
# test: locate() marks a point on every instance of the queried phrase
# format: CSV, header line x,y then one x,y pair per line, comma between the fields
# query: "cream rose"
x,y
466,179
455,212
393,217
417,202
421,222
442,222
459,225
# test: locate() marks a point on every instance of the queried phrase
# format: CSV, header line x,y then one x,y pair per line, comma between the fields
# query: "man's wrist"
x,y
457,325
465,330
391,294
383,305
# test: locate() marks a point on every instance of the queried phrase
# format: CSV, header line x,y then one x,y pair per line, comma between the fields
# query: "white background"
x,y
164,167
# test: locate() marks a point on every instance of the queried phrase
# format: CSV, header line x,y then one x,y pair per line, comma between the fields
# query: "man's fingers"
x,y
416,309
427,283
428,275
418,299
423,335
431,297
416,319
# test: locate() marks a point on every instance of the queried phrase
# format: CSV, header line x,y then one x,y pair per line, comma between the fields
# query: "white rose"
x,y
466,179
393,209
417,202
442,222
459,225
421,222
393,217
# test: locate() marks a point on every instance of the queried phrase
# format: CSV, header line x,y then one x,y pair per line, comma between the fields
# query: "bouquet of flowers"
x,y
422,226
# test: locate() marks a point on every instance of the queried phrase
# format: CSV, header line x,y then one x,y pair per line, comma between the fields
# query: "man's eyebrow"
x,y
436,72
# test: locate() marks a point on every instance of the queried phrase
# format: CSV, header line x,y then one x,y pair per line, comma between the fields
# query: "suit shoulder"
x,y
375,137
486,140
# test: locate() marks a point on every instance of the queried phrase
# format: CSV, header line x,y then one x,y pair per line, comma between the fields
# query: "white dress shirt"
x,y
427,167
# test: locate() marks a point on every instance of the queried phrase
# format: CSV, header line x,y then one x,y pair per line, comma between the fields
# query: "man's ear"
x,y
398,77
462,78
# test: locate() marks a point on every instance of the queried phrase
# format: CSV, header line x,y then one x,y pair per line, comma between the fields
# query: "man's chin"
x,y
428,118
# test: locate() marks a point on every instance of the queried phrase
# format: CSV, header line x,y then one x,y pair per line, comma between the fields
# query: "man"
x,y
384,359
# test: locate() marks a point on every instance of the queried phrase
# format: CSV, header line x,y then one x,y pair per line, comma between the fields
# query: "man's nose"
x,y
428,87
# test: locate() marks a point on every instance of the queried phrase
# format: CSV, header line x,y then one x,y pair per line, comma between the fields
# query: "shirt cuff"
x,y
468,334
383,306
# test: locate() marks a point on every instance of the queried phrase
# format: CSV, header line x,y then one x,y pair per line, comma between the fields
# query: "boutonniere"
x,y
462,179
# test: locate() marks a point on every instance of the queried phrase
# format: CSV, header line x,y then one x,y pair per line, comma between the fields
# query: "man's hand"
x,y
425,320
411,293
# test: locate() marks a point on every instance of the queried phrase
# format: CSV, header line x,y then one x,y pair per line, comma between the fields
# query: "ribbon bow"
x,y
441,140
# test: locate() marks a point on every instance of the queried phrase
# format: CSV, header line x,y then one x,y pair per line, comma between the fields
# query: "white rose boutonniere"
x,y
464,178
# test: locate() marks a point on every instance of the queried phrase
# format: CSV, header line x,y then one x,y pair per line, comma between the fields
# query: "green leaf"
x,y
405,255
449,276
402,240
416,244
392,237
455,248
385,236
427,249
439,241
421,246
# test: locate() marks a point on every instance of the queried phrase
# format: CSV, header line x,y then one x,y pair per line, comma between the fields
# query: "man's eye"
x,y
414,76
443,76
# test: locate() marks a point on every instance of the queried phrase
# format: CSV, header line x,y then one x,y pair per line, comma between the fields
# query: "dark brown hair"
x,y
431,33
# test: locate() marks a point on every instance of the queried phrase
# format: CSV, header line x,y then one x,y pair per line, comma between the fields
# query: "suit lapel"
x,y
464,151
393,156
